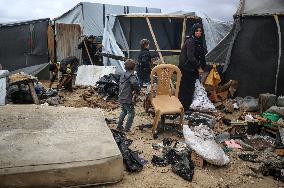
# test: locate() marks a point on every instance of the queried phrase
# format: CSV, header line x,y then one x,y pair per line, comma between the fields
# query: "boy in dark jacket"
x,y
144,63
128,86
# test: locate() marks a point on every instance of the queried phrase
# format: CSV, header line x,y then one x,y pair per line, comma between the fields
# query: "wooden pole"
x,y
33,92
155,40
88,52
183,31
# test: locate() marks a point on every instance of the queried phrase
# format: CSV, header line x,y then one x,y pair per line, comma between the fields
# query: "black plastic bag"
x,y
184,168
131,159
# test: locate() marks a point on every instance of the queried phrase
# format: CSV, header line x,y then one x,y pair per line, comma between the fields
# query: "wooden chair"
x,y
162,98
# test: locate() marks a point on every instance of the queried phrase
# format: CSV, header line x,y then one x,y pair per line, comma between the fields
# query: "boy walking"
x,y
128,86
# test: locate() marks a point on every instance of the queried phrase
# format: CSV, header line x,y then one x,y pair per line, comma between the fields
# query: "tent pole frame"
x,y
276,18
155,40
183,32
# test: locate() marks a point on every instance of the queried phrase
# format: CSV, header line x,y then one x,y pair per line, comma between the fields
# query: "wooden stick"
x,y
155,40
183,32
33,92
177,51
88,52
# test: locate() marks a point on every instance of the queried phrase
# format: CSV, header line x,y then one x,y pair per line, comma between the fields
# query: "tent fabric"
x,y
167,30
92,16
215,30
23,44
261,7
251,50
110,46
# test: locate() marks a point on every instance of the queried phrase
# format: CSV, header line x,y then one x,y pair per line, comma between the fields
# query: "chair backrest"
x,y
162,75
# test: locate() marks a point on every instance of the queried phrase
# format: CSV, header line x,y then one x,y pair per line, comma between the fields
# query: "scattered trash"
x,y
181,165
201,140
130,158
108,85
222,137
197,118
54,101
232,144
275,169
248,157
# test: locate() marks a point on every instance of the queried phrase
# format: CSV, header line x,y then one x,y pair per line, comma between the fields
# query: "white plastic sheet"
x,y
201,140
200,100
88,75
110,46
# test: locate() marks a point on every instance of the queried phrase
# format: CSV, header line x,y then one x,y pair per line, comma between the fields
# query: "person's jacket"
x,y
144,59
192,55
128,84
69,65
90,47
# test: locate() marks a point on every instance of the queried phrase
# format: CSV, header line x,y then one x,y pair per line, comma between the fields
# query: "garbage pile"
x,y
108,85
177,155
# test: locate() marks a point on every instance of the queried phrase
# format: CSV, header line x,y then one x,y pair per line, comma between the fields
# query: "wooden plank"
x,y
33,92
157,16
183,32
177,51
155,40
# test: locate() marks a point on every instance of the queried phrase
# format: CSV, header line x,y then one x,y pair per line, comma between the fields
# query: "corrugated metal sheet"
x,y
67,39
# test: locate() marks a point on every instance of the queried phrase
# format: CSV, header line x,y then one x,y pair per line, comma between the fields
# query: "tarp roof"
x,y
91,16
8,24
260,7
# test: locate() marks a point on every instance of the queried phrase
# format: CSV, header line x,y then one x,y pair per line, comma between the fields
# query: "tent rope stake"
x,y
276,18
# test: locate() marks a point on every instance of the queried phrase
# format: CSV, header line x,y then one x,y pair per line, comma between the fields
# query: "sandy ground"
x,y
236,174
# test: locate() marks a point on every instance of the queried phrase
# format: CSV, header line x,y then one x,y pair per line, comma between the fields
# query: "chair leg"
x,y
156,120
181,117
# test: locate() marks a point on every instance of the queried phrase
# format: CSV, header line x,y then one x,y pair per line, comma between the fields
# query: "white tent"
x,y
91,16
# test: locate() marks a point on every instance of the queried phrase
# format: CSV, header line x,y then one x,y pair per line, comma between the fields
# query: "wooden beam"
x,y
155,40
33,92
177,51
183,32
157,16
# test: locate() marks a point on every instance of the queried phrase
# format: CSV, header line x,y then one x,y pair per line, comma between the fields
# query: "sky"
x,y
19,10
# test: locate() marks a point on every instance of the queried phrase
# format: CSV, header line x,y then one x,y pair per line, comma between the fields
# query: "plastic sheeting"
x,y
201,140
23,44
92,16
200,100
88,75
215,30
262,7
110,46
251,49
3,82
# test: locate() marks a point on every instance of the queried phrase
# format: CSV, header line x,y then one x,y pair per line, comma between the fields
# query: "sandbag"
x,y
280,101
201,140
200,100
249,104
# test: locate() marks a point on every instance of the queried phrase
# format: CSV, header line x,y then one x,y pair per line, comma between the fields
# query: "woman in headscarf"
x,y
191,63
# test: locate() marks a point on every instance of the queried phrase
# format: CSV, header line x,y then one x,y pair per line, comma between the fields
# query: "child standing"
x,y
128,86
144,63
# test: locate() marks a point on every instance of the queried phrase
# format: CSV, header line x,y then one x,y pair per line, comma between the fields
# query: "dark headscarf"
x,y
194,28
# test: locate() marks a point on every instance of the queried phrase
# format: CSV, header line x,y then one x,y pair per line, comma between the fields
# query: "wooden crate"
x,y
197,160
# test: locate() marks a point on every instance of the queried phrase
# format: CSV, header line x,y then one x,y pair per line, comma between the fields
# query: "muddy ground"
x,y
237,174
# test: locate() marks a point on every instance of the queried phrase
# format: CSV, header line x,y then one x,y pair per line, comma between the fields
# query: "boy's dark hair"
x,y
144,43
129,64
